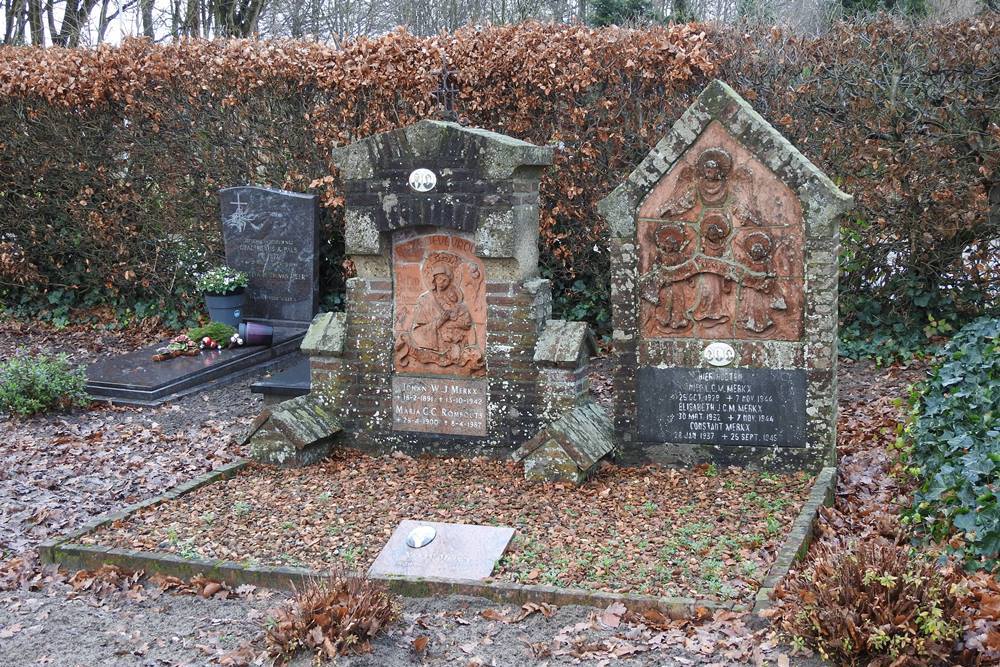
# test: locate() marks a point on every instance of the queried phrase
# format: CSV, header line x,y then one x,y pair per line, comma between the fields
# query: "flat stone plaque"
x,y
722,406
271,234
439,405
459,551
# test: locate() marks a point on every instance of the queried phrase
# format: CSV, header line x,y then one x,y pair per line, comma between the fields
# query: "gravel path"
x,y
150,629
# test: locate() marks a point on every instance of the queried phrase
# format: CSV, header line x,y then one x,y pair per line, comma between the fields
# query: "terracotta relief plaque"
x,y
439,305
720,240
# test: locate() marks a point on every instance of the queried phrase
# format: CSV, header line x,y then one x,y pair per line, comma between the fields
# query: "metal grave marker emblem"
x,y
420,536
719,354
422,180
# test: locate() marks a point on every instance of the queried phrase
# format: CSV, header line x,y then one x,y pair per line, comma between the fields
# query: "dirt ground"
x,y
58,471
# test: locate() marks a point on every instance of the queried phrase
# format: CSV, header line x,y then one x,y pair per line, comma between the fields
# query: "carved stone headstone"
x,y
438,348
724,294
272,235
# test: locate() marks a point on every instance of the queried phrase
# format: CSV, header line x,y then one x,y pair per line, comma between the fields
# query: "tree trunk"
x,y
146,11
35,22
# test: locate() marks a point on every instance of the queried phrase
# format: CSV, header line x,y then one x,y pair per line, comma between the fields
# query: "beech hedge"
x,y
110,159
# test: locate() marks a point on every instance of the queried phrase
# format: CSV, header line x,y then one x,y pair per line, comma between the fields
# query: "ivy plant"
x,y
954,441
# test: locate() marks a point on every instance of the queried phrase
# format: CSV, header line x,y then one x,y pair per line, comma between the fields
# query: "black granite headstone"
x,y
272,235
722,406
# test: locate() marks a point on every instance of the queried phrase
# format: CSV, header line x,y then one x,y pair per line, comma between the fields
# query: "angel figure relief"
x,y
669,312
761,293
710,286
440,332
691,283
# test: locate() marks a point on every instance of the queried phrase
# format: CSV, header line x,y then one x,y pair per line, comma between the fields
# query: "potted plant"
x,y
225,293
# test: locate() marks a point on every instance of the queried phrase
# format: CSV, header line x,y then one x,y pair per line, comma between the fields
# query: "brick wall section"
x,y
360,382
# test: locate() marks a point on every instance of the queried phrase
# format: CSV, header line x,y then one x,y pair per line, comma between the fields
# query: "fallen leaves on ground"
x,y
526,610
57,472
873,491
82,343
701,532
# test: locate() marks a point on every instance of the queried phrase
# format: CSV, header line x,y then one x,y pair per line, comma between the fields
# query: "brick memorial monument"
x,y
724,295
446,344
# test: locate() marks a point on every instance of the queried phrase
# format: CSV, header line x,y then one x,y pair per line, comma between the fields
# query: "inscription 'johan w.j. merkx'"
x,y
439,405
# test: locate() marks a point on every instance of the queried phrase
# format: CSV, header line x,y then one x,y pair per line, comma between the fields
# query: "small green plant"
x,y
188,551
34,384
712,470
242,508
222,280
351,555
773,525
217,332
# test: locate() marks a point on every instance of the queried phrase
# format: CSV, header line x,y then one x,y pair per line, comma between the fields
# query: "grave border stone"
x,y
70,552
816,352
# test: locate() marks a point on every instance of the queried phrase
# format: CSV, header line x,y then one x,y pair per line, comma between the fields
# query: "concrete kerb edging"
x,y
799,537
65,552
47,549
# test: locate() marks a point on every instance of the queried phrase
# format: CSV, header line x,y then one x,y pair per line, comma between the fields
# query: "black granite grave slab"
x,y
272,235
722,406
284,384
135,379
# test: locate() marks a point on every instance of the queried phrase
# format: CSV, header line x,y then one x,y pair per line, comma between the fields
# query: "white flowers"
x,y
222,280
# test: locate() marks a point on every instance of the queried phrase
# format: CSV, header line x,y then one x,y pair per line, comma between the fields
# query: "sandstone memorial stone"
x,y
457,551
446,344
724,294
272,236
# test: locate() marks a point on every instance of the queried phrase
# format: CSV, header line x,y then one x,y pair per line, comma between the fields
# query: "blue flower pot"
x,y
226,308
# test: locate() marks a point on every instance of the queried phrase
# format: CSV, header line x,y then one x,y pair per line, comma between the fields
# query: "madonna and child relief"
x,y
440,306
720,248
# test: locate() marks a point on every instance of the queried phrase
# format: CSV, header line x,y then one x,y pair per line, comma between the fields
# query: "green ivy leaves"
x,y
955,444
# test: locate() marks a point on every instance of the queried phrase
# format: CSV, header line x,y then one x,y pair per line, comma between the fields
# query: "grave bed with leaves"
x,y
704,532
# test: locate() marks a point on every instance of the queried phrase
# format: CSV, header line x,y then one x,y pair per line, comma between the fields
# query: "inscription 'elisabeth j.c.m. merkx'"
x,y
756,407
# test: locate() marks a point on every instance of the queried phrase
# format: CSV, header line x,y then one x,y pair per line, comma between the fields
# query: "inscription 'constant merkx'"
x,y
754,407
